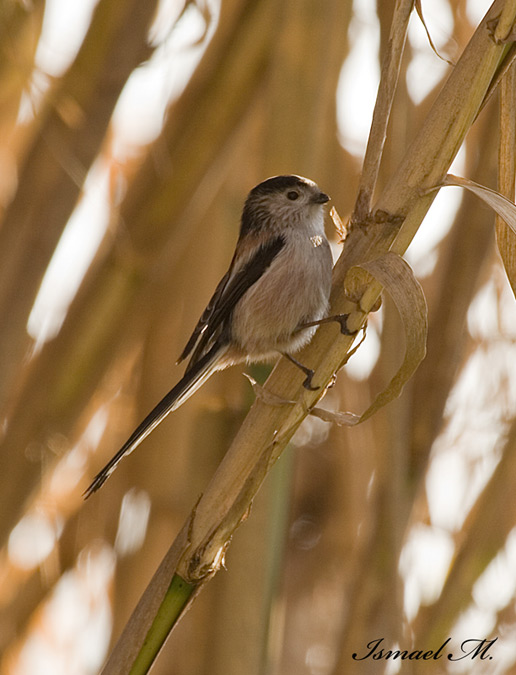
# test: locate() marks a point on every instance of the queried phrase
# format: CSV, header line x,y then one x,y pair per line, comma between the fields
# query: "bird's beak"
x,y
320,198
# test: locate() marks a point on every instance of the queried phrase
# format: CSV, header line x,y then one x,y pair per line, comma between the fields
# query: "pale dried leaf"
x,y
342,419
267,396
419,10
503,206
397,278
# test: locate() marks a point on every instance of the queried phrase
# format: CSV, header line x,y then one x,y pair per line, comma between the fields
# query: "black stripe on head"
x,y
277,184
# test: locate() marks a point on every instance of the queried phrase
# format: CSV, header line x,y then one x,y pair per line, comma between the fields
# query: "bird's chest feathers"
x,y
293,289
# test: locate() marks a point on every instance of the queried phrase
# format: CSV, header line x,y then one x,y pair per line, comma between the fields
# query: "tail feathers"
x,y
188,385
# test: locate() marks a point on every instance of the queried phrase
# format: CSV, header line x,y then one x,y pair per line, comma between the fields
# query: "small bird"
x,y
274,294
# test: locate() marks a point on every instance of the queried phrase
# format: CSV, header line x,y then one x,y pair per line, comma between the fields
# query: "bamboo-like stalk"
x,y
268,428
507,170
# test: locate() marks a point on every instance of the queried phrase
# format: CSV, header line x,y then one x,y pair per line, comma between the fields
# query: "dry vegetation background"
x,y
350,538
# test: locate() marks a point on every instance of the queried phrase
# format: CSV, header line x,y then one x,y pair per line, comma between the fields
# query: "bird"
x,y
269,303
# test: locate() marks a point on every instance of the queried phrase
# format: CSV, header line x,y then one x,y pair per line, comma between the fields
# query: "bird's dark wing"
x,y
231,288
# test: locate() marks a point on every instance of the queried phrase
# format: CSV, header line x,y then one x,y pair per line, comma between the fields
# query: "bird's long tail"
x,y
188,385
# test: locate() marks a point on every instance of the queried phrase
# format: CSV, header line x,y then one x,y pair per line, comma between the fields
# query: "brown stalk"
x,y
267,429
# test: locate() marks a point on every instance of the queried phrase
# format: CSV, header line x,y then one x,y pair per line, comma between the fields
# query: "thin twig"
x,y
386,90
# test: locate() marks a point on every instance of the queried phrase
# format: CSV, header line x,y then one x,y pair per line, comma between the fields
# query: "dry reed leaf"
x,y
342,419
340,226
419,10
265,395
503,207
396,276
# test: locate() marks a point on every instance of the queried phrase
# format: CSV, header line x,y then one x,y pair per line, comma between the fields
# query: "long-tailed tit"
x,y
275,292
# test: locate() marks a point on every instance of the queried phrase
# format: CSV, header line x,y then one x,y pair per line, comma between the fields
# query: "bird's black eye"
x,y
292,195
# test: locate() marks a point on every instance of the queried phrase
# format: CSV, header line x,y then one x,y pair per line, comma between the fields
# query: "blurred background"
x,y
131,134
